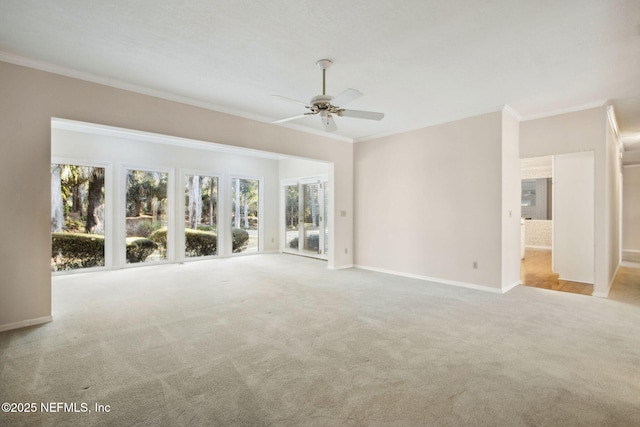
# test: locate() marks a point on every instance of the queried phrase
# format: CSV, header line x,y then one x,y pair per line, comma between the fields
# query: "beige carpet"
x,y
280,340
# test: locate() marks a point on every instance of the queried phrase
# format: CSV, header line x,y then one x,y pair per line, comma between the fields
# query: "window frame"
x,y
180,227
109,232
121,214
228,246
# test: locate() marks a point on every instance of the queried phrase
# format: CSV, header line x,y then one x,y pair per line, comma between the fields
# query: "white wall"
x,y
429,203
511,199
29,100
298,168
563,133
573,222
613,213
538,234
631,212
579,131
536,172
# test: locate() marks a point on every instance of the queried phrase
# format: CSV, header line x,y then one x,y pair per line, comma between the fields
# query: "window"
x,y
201,215
528,192
146,222
161,200
245,215
537,198
77,217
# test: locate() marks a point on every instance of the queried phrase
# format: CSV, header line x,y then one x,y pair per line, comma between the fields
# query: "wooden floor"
x,y
535,271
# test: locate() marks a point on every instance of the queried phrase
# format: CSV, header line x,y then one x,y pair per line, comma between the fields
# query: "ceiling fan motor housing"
x,y
322,102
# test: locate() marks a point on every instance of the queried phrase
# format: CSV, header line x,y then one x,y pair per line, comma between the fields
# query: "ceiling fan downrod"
x,y
324,64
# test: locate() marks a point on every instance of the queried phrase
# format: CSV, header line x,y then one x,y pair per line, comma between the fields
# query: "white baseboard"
x,y
507,288
613,279
25,323
631,255
433,279
606,293
630,264
548,248
341,267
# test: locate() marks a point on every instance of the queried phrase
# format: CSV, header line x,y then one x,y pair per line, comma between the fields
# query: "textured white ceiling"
x,y
420,62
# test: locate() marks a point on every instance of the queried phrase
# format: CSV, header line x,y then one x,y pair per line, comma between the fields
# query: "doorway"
x,y
305,217
557,218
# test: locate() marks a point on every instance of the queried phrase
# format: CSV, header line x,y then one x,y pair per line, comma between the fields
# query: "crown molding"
x,y
105,81
98,79
613,122
567,110
512,112
437,123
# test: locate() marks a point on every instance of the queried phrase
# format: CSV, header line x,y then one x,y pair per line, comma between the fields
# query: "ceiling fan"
x,y
327,106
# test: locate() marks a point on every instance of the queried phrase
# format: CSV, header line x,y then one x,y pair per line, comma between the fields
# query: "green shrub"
x,y
197,242
139,248
240,239
160,237
147,228
200,243
211,228
71,250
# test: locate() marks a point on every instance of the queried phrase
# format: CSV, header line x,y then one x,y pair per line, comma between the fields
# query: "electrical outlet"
x,y
475,264
346,251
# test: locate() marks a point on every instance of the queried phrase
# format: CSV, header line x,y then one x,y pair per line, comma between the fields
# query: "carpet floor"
x,y
279,340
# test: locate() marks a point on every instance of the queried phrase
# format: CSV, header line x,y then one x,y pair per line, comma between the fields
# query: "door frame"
x,y
323,180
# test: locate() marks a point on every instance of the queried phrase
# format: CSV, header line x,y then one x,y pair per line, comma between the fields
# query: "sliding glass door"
x,y
291,215
306,229
311,219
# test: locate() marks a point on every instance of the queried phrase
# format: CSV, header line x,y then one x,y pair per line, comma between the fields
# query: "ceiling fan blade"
x,y
358,114
295,101
346,97
329,124
299,116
